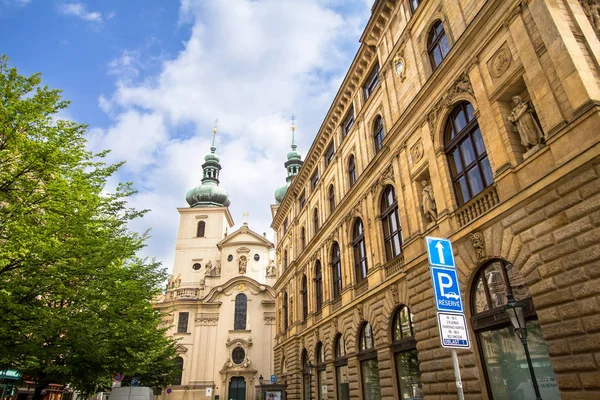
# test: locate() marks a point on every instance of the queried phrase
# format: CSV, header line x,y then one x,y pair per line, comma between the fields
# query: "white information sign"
x,y
208,392
453,330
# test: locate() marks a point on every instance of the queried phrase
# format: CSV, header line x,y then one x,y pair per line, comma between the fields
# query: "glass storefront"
x,y
370,379
409,378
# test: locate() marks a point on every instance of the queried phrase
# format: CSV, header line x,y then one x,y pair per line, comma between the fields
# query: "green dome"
x,y
280,193
292,165
208,194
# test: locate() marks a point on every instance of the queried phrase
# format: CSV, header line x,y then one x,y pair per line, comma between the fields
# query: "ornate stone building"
x,y
471,120
219,302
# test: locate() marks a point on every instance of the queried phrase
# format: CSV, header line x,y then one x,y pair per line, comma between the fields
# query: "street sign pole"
x,y
459,386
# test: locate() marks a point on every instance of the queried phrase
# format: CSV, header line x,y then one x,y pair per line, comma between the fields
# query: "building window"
x,y
352,170
501,351
360,251
302,238
414,4
256,257
348,122
200,229
230,258
336,270
285,311
241,308
285,226
341,368
179,367
404,347
302,199
372,81
306,377
314,179
318,286
331,199
390,221
469,165
329,154
238,355
182,322
304,294
321,373
378,133
316,221
196,266
369,367
437,45
285,260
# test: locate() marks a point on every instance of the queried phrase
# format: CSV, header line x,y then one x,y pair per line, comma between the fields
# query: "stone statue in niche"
x,y
429,207
218,267
525,124
271,268
209,269
591,8
243,264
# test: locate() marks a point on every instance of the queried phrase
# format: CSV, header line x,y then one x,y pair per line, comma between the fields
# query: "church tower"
x,y
219,303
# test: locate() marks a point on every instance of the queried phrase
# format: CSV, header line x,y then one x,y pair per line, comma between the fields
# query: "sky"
x,y
150,77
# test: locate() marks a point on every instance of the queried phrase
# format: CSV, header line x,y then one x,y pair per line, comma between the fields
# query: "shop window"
x,y
321,373
467,157
369,366
306,377
405,355
502,353
341,368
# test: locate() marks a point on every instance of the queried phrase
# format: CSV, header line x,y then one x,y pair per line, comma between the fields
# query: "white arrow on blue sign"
x,y
446,290
440,252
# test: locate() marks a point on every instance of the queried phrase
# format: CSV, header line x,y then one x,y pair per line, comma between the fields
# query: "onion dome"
x,y
293,164
209,193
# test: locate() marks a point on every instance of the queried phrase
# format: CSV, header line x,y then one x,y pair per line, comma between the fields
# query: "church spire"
x,y
293,164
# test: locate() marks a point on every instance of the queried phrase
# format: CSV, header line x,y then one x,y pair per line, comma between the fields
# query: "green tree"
x,y
75,301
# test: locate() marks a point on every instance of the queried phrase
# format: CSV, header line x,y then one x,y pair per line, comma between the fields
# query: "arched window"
x,y
369,366
390,221
318,286
331,198
285,311
414,4
378,133
351,171
341,368
360,251
306,377
336,270
501,350
241,308
404,347
315,221
304,294
285,260
179,366
469,165
321,375
302,238
200,229
437,45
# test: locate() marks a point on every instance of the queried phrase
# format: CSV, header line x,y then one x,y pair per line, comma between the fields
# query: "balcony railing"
x,y
337,303
184,293
361,288
477,206
394,266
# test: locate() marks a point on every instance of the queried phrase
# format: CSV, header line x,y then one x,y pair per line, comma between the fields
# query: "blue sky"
x,y
150,77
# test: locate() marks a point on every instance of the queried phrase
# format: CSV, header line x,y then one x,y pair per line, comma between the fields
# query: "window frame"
x,y
201,229
318,281
413,7
352,170
314,179
404,344
286,322
378,133
336,271
433,42
339,361
178,380
302,238
285,259
365,355
304,295
372,81
316,221
329,153
320,367
302,199
183,323
240,312
348,122
358,242
391,211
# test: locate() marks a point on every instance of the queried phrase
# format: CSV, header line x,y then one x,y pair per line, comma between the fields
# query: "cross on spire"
x,y
212,147
245,214
293,131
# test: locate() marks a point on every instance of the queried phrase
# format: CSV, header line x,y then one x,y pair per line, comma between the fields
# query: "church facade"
x,y
219,302
471,120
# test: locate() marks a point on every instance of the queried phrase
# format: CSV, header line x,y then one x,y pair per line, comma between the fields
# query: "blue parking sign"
x,y
440,252
446,290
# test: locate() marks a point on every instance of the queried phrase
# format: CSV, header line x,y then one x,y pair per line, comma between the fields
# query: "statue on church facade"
x,y
243,264
218,267
525,124
271,268
429,207
591,8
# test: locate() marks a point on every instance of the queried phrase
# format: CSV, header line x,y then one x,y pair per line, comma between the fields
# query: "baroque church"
x,y
219,302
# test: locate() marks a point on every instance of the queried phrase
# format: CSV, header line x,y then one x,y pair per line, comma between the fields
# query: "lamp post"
x,y
514,310
309,368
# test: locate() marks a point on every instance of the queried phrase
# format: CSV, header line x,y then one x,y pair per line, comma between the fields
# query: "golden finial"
x,y
293,124
215,126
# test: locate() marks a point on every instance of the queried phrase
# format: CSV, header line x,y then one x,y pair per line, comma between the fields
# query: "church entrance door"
x,y
237,388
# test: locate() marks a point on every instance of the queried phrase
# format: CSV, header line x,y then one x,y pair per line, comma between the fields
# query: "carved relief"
x,y
416,152
461,85
399,65
243,264
394,293
478,244
500,62
361,313
591,8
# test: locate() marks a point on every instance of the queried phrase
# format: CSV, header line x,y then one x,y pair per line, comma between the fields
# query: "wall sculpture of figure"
x,y
429,207
525,124
243,264
591,8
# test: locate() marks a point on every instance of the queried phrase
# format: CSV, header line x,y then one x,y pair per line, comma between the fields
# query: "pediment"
x,y
180,349
246,236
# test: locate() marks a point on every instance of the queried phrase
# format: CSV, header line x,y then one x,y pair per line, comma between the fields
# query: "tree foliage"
x,y
75,301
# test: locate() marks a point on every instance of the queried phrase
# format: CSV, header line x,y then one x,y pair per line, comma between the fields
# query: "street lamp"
x,y
309,369
260,379
514,310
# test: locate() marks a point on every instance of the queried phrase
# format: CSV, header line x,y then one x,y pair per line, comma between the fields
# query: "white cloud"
x,y
80,10
252,65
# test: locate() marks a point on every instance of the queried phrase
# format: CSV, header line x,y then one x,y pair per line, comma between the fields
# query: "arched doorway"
x,y
237,388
